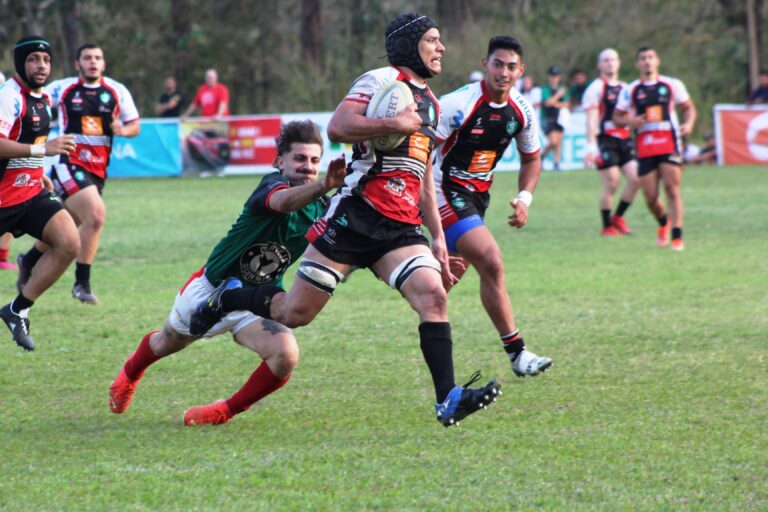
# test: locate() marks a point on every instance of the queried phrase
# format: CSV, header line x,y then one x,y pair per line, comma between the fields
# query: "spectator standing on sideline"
x,y
760,94
212,98
169,103
579,85
554,97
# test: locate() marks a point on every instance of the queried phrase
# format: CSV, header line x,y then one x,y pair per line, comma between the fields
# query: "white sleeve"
x,y
364,87
10,108
128,110
680,92
535,97
624,102
592,96
528,139
451,116
54,90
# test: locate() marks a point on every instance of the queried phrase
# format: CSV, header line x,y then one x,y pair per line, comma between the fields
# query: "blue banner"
x,y
156,151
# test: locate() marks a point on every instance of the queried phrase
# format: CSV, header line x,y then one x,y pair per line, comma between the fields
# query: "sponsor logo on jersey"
x,y
105,97
663,90
22,180
342,221
396,186
263,263
495,117
79,175
92,125
512,127
459,203
457,119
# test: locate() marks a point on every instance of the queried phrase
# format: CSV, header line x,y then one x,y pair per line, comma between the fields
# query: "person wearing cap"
x,y
554,97
375,221
27,205
95,109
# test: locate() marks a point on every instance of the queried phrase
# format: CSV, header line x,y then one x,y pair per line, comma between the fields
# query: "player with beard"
x,y
263,242
26,203
478,123
375,220
95,109
609,147
648,106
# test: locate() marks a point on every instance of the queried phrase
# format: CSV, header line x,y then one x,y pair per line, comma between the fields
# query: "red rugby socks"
x,y
261,383
141,359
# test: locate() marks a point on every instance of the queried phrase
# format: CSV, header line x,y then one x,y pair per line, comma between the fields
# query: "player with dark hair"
x,y
648,105
609,147
94,108
478,123
554,98
375,220
26,204
262,243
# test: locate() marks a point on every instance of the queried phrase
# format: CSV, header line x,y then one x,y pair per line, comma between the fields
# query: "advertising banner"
x,y
156,151
741,134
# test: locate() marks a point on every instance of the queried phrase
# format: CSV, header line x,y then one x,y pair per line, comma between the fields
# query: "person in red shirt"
x,y
212,98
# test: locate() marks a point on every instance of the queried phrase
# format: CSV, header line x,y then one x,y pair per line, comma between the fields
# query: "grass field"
x,y
658,398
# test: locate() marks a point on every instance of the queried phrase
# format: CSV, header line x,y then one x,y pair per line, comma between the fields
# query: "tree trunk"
x,y
72,27
182,12
454,15
311,33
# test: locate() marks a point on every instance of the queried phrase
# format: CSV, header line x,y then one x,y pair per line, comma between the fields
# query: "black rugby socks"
x,y
437,347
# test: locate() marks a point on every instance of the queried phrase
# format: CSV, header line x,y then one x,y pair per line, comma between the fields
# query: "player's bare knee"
x,y
285,357
490,265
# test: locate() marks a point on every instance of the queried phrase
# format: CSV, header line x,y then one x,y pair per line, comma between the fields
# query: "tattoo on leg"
x,y
273,327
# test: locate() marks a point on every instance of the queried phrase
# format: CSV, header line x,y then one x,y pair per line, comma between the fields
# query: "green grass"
x,y
658,399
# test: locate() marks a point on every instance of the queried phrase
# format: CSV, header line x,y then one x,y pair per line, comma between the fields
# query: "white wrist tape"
x,y
37,150
525,197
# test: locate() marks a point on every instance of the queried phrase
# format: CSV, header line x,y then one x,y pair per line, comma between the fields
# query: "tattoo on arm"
x,y
273,327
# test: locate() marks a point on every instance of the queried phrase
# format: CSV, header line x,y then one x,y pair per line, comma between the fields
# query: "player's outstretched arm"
x,y
350,125
295,198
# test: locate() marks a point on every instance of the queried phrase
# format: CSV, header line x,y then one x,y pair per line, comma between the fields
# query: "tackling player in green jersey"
x,y
264,241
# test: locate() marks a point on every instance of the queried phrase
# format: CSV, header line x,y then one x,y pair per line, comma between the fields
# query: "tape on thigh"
x,y
320,276
404,270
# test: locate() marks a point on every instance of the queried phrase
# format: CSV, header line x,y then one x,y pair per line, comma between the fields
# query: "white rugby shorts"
x,y
191,294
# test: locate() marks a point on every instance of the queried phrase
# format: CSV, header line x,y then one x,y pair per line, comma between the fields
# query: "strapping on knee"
x,y
404,270
320,276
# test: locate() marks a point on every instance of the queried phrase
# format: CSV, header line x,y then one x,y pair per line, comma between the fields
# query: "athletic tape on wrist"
x,y
525,197
37,150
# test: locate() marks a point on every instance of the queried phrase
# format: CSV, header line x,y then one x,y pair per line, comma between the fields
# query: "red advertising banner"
x,y
252,140
742,134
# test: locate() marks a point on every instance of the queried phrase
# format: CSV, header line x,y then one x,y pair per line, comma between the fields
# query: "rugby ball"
x,y
389,101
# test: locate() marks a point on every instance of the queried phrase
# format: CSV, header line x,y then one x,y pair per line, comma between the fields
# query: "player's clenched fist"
x,y
60,146
409,121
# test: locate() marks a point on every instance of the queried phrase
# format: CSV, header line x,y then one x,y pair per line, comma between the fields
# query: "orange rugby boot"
x,y
121,391
609,231
216,413
678,245
662,236
620,224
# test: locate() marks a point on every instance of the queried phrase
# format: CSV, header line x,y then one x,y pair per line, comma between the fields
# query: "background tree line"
x,y
301,55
